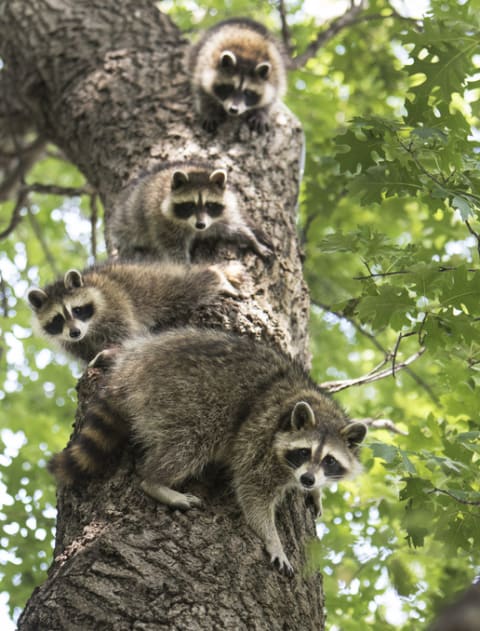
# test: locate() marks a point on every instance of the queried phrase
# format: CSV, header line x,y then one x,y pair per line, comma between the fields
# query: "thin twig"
x,y
441,269
16,216
26,159
336,386
3,292
337,25
381,423
38,233
53,189
363,331
457,499
349,18
475,234
287,41
93,225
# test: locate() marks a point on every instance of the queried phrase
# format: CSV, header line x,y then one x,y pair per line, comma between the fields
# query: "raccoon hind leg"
x,y
166,495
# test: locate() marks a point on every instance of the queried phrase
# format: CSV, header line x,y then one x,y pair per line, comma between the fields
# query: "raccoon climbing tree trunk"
x,y
105,82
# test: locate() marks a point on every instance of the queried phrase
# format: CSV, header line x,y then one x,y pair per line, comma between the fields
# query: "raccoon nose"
x,y
307,480
200,225
233,109
74,333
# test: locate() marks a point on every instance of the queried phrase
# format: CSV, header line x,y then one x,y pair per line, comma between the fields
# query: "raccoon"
x,y
191,397
237,69
165,211
85,312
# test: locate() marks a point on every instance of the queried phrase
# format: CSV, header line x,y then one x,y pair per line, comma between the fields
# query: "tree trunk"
x,y
105,82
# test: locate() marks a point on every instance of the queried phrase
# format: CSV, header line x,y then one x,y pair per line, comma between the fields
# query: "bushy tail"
x,y
90,452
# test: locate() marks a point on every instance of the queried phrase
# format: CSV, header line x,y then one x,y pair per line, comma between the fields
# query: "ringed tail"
x,y
90,452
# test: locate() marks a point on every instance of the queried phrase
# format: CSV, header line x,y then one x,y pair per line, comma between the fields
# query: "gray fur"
x,y
143,222
128,299
195,397
242,55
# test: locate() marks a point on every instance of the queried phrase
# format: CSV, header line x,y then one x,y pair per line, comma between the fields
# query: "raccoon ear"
x,y
73,278
228,59
37,298
263,69
179,178
302,416
219,177
354,433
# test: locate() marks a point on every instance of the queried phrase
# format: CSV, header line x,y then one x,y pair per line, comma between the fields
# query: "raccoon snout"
x,y
200,225
74,333
307,480
233,109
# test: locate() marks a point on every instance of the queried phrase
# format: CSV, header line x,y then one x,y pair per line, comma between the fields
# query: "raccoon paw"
x,y
232,275
166,495
210,124
314,499
258,121
104,358
264,251
282,564
187,501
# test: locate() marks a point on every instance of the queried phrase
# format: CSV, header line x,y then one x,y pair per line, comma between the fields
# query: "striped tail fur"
x,y
91,451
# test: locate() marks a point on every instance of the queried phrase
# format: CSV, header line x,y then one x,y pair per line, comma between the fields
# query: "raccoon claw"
x,y
166,495
264,251
282,564
258,122
233,276
210,125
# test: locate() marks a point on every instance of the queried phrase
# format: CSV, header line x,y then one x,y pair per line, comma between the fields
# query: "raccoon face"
x,y
198,199
318,456
241,85
67,317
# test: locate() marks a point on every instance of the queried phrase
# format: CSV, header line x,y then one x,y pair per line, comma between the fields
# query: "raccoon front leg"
x,y
211,112
262,521
230,275
316,500
166,495
260,516
246,234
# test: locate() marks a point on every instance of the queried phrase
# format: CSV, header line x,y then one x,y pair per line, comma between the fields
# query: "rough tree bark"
x,y
105,82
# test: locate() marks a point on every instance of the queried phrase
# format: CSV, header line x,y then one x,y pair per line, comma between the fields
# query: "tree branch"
x,y
38,233
381,423
336,386
16,216
93,224
287,41
454,497
423,384
475,234
337,25
25,158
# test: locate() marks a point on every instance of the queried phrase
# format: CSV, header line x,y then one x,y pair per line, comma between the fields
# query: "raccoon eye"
x,y
184,210
223,90
214,209
296,457
84,312
55,326
332,467
251,97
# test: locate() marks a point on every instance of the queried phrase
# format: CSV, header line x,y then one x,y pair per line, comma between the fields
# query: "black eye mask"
x,y
297,457
55,326
331,467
